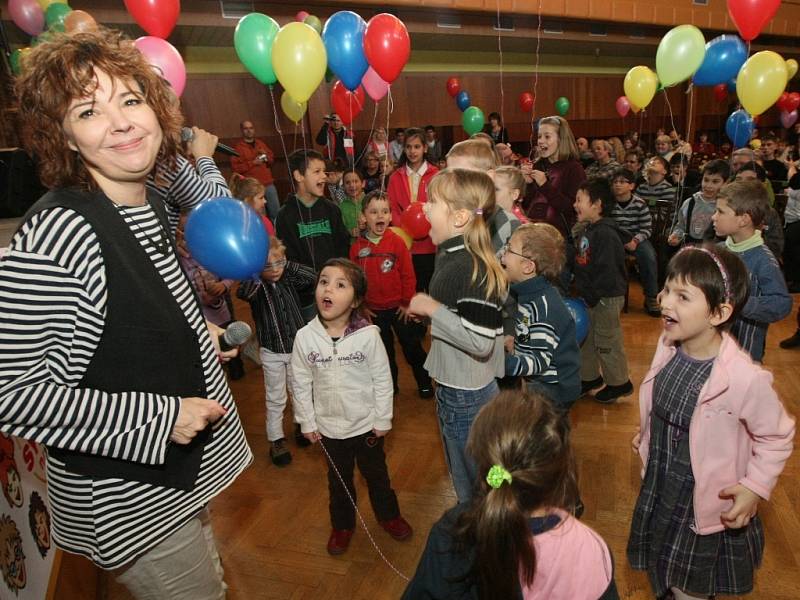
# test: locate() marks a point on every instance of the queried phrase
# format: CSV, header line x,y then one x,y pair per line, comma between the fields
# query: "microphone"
x,y
236,334
187,135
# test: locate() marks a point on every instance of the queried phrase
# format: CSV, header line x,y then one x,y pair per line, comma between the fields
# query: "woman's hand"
x,y
195,414
423,305
745,506
202,143
215,331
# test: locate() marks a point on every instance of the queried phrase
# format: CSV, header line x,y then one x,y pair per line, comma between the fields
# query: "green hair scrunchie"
x,y
497,475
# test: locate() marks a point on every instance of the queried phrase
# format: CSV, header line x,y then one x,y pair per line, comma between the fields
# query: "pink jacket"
x,y
739,432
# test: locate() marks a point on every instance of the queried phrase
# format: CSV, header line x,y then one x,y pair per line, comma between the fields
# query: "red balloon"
x,y
526,101
782,100
156,17
387,46
623,106
750,16
414,221
348,105
721,92
453,86
792,102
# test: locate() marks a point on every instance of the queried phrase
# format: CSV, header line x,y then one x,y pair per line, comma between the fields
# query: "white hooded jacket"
x,y
344,388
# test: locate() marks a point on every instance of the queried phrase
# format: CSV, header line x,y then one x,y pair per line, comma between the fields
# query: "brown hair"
x,y
245,188
483,157
516,180
747,198
64,69
473,191
373,195
567,148
355,275
543,244
276,245
524,434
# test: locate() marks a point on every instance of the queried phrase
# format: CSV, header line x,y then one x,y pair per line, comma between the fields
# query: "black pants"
x,y
791,252
367,451
410,335
423,269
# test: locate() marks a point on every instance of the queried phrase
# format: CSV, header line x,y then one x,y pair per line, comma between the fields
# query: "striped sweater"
x,y
634,217
663,191
53,302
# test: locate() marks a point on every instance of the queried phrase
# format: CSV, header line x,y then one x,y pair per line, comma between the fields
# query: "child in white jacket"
x,y
342,394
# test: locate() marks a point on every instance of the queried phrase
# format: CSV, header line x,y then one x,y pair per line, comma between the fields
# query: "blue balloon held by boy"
x,y
577,308
227,238
463,101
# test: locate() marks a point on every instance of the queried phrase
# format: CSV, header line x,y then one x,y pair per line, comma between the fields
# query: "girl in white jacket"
x,y
342,394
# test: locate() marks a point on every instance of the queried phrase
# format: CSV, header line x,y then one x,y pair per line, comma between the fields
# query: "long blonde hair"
x,y
473,191
567,147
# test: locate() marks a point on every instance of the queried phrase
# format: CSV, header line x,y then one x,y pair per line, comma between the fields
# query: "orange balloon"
x,y
79,21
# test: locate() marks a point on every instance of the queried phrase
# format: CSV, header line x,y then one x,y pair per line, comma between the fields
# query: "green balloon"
x,y
314,22
14,59
253,40
55,14
562,106
473,120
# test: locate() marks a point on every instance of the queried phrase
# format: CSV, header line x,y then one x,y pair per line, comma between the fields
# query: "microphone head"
x,y
186,134
237,333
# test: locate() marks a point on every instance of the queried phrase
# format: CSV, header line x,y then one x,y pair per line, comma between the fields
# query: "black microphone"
x,y
187,135
236,334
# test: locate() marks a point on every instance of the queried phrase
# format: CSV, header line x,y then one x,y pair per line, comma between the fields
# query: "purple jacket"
x,y
552,202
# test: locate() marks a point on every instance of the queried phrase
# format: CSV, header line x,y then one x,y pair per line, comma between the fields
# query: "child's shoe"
x,y
398,528
610,393
279,453
588,386
339,541
299,439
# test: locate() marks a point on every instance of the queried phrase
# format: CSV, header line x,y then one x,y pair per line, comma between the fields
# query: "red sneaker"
x,y
398,528
339,541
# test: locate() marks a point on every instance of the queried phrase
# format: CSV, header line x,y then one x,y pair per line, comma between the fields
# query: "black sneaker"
x,y
425,391
299,438
588,386
791,342
610,393
279,453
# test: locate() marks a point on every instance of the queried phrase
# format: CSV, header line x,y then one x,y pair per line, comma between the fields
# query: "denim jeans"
x,y
457,410
648,268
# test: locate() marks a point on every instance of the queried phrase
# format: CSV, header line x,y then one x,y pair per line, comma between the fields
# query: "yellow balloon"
x,y
45,3
404,235
640,86
791,68
761,81
299,60
292,108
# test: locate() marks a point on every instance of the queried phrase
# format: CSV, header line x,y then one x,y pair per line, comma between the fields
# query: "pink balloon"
x,y
27,15
788,118
623,106
301,16
166,59
375,86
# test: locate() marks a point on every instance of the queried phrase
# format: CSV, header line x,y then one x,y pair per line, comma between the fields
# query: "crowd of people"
x,y
99,270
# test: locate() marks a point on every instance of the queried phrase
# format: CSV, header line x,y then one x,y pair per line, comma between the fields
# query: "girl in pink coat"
x,y
714,437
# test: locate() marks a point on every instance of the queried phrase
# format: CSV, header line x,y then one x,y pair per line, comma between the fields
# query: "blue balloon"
x,y
343,37
739,128
580,314
463,100
725,55
228,238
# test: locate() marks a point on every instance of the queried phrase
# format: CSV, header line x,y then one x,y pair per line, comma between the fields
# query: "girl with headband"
x,y
713,439
517,538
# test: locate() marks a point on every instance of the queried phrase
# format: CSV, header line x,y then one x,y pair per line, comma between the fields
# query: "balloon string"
x,y
500,52
294,138
389,111
536,76
280,135
369,137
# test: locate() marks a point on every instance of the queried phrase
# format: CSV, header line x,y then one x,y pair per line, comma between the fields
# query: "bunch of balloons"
x,y
365,56
788,104
472,118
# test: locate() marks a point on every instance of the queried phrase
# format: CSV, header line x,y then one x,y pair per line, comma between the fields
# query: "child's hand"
x,y
362,221
380,432
540,177
631,246
508,344
673,239
423,305
402,312
313,436
745,506
354,232
637,441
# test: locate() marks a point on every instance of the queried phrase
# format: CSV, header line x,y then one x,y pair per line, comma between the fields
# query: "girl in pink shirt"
x,y
516,537
713,438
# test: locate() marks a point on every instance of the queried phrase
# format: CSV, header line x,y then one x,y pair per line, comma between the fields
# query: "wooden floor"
x,y
272,524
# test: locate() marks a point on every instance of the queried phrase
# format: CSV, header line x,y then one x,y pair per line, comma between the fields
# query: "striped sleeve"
x,y
52,307
534,345
473,326
644,223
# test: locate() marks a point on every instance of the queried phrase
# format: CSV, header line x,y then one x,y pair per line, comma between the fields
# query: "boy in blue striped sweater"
x,y
545,345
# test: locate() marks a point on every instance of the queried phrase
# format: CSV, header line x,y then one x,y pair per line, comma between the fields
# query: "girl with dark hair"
x,y
496,130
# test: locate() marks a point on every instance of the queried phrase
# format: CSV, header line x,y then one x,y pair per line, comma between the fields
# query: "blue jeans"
x,y
273,202
648,268
457,410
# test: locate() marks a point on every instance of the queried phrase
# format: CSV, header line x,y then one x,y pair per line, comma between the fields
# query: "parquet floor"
x,y
272,524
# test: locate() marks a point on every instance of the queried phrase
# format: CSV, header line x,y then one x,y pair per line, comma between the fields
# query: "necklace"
x,y
160,244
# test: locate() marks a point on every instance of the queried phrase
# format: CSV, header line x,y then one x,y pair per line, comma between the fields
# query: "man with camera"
x,y
254,160
334,137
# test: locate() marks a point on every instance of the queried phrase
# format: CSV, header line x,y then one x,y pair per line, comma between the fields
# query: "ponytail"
x,y
244,188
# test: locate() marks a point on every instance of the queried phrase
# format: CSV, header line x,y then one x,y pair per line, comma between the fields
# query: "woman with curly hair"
x,y
107,360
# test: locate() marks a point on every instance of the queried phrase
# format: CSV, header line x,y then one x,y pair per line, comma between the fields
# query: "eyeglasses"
x,y
278,264
507,249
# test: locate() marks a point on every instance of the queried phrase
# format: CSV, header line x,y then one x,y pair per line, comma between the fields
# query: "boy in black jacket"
x,y
601,280
309,224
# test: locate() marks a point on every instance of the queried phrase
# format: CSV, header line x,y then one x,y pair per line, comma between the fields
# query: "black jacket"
x,y
599,262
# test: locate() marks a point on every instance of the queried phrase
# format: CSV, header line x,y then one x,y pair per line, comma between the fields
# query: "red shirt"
x,y
243,164
391,281
400,198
